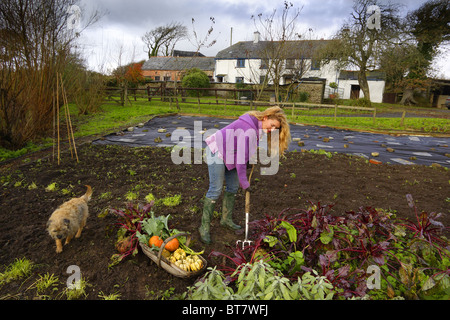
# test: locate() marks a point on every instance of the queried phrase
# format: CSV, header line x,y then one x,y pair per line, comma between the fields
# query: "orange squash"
x,y
155,241
172,245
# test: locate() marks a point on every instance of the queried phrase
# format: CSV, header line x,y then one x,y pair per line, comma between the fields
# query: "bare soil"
x,y
345,181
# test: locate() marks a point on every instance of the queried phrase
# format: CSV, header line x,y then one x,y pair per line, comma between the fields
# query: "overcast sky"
x,y
116,38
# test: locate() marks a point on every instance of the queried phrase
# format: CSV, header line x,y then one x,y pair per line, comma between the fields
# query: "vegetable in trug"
x,y
172,245
155,241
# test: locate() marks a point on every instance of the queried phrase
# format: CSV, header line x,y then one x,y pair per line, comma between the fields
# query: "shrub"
x,y
195,78
303,96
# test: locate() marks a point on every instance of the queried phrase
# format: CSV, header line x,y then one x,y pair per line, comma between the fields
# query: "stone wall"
x,y
314,89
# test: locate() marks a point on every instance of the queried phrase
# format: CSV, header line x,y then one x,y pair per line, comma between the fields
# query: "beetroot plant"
x,y
129,224
413,257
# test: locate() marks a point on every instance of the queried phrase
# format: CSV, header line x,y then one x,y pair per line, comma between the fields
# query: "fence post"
x,y
403,118
148,94
125,95
335,112
122,96
374,115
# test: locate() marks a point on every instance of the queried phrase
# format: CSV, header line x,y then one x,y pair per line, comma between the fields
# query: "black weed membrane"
x,y
191,132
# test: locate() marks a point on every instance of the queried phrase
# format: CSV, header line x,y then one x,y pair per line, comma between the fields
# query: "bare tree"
x,y
359,46
35,45
206,41
277,51
164,38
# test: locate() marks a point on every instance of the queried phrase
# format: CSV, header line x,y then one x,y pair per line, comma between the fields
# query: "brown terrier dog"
x,y
69,219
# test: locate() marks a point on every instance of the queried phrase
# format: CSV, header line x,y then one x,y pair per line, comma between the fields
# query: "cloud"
x,y
120,30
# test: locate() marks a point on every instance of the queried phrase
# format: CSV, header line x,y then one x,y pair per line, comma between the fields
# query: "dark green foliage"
x,y
195,78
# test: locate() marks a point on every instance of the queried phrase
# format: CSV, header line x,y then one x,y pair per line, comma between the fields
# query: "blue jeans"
x,y
218,172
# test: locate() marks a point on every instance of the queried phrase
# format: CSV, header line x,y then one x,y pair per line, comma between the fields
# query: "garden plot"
x,y
119,174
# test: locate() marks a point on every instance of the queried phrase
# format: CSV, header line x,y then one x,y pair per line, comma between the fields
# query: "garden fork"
x,y
246,241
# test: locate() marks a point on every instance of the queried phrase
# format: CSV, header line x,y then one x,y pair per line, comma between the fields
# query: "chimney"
x,y
256,38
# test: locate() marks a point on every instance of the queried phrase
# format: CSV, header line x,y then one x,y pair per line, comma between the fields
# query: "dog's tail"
x,y
88,194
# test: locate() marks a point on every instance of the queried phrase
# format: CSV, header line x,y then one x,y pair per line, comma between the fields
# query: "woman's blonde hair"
x,y
284,133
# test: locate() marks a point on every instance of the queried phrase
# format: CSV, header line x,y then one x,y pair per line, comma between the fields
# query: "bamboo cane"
x,y
54,122
57,113
69,128
66,112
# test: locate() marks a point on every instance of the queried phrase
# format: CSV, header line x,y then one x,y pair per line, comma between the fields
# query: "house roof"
x,y
180,53
179,63
262,49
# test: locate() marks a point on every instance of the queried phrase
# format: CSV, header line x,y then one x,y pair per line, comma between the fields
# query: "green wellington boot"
x,y
227,211
208,209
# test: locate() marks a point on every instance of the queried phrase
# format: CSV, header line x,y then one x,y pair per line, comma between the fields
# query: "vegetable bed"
x,y
346,182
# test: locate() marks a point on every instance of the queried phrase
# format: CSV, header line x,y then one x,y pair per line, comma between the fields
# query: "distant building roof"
x,y
179,63
179,53
261,49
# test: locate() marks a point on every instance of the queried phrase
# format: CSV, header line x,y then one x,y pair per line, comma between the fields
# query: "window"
x,y
262,79
167,78
315,64
157,78
290,63
239,79
264,64
240,63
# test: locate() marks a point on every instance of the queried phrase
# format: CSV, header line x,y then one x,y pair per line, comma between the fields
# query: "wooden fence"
x,y
180,95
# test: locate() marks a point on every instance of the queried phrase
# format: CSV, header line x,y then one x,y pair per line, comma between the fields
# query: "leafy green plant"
x,y
260,281
45,283
112,296
150,197
32,186
172,201
130,195
162,295
19,269
52,187
321,151
106,195
78,292
154,226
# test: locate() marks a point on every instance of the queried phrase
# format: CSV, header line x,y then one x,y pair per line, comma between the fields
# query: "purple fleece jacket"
x,y
237,143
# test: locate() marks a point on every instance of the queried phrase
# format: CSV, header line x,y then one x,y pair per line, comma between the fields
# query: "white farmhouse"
x,y
257,61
